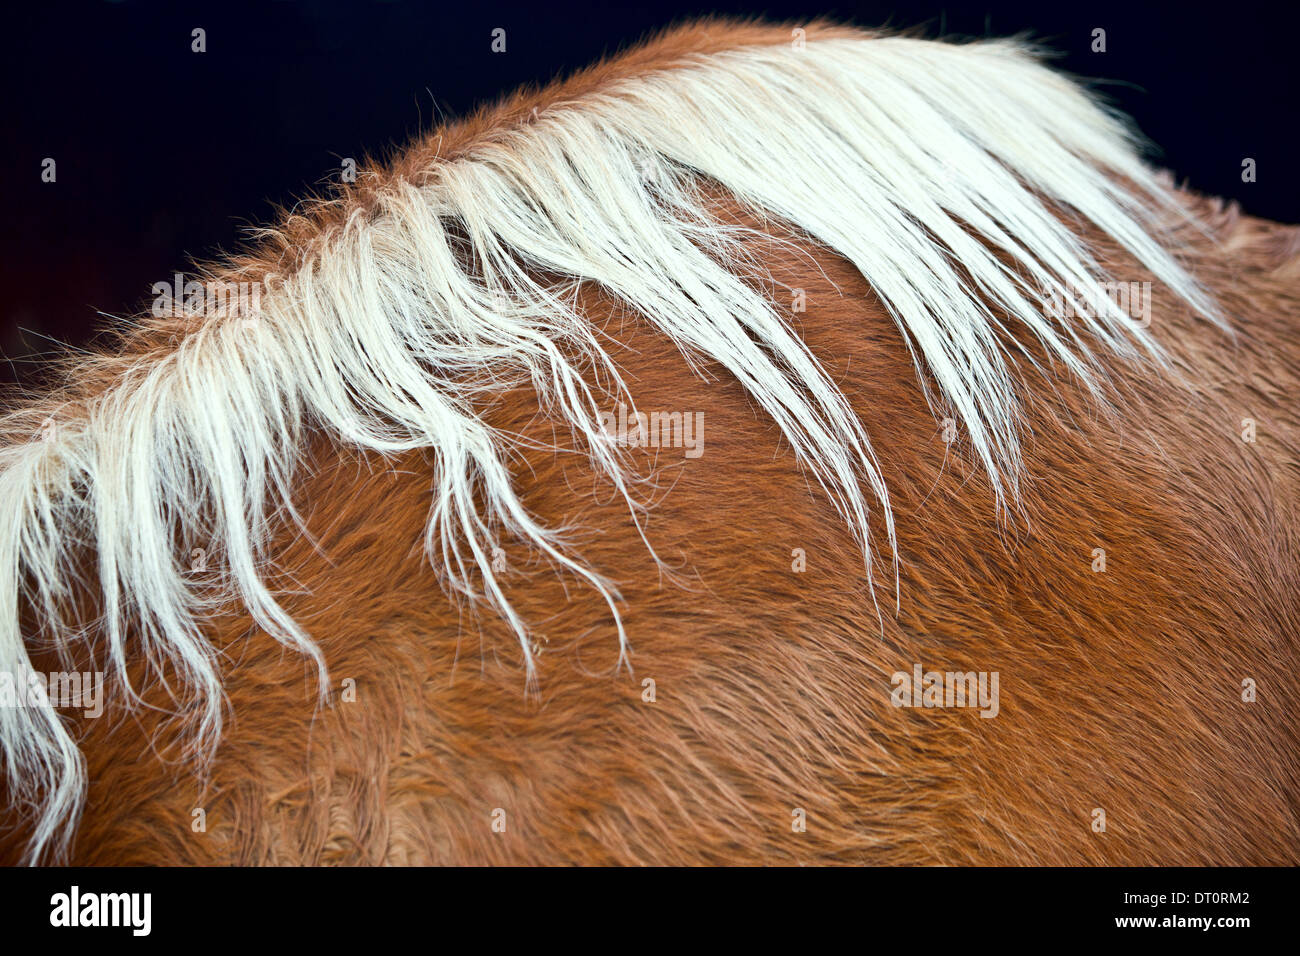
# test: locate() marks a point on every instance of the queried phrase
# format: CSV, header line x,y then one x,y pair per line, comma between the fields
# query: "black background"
x,y
164,153
912,910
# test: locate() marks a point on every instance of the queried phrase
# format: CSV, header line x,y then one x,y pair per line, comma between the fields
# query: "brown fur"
x,y
1119,690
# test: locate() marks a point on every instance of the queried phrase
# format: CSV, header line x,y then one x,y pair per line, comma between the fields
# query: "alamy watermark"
x,y
946,689
1102,298
71,689
656,429
211,298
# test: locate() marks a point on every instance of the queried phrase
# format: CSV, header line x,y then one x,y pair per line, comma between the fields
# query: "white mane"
x,y
902,155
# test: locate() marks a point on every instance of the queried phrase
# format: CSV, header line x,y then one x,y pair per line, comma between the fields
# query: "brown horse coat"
x,y
1146,580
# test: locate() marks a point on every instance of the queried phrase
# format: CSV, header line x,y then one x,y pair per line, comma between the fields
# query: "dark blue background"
x,y
163,153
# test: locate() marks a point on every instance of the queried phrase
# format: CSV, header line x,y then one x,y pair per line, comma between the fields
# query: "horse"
x,y
775,444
